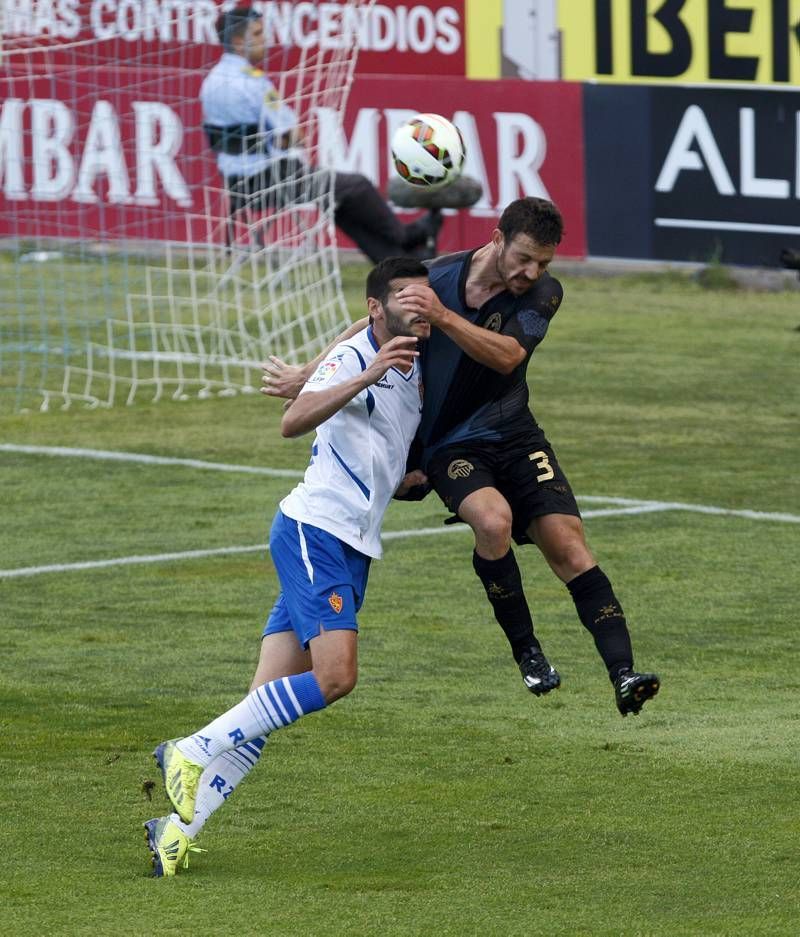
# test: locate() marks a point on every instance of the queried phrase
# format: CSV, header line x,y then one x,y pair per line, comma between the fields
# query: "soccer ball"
x,y
428,151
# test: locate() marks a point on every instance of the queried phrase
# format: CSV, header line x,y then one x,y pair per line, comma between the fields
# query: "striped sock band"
x,y
272,706
283,701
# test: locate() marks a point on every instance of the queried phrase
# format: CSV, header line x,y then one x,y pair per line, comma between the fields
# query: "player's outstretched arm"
x,y
279,379
499,352
312,408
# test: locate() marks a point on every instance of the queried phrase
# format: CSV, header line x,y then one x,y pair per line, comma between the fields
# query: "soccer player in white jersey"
x,y
364,400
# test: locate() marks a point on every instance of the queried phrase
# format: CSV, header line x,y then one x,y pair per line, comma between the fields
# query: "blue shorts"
x,y
322,580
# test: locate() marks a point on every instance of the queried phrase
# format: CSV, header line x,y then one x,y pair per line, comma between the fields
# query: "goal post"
x,y
124,274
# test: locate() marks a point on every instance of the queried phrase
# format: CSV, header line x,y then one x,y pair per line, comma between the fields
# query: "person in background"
x,y
259,152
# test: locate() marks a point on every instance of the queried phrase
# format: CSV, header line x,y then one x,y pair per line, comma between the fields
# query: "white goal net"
x,y
126,271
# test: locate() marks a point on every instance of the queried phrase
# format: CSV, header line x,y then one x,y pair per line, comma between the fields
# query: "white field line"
x,y
257,548
622,506
108,456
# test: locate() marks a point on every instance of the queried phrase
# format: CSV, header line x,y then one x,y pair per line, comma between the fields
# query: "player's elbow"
x,y
510,363
292,432
299,417
291,426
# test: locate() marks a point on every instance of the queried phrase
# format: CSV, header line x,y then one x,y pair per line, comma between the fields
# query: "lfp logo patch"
x,y
336,602
325,371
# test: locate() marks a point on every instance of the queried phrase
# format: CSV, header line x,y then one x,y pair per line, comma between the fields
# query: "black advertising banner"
x,y
698,173
727,176
616,134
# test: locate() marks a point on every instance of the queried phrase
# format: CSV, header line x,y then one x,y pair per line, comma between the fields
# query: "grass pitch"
x,y
440,797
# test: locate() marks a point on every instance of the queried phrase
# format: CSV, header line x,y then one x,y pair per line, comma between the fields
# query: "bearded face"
x,y
521,261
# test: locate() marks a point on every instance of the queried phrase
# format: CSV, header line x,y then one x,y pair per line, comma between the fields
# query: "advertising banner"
x,y
521,138
686,41
707,173
394,37
126,159
123,159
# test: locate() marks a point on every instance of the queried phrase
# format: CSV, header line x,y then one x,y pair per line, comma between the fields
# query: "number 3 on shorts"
x,y
542,462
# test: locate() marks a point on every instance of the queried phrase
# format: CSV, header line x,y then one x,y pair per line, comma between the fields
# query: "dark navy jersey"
x,y
465,400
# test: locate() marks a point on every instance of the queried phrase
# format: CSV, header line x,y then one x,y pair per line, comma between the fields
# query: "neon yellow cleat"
x,y
181,778
169,847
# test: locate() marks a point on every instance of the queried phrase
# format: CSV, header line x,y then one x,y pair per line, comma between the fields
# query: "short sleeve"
x,y
530,322
340,365
275,114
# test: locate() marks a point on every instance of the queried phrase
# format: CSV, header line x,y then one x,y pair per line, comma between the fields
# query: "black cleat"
x,y
633,690
537,674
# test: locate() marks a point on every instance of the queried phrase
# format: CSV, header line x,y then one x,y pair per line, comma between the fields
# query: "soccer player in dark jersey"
x,y
485,454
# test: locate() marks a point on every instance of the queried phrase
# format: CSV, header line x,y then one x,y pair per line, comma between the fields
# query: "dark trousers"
x,y
360,211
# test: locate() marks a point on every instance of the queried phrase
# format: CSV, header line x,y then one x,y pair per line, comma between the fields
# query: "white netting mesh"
x,y
123,273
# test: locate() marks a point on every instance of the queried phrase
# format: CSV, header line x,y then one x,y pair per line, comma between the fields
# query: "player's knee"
x,y
493,528
337,680
571,558
353,186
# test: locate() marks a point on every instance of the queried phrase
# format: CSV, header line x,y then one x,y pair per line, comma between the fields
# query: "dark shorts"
x,y
525,471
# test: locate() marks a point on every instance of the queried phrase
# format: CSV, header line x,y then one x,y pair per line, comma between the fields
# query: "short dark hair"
x,y
536,217
392,268
234,23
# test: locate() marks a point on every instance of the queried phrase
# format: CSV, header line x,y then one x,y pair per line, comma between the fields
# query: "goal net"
x,y
124,273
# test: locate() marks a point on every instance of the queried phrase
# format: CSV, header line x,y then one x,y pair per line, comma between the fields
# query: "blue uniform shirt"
x,y
465,400
236,93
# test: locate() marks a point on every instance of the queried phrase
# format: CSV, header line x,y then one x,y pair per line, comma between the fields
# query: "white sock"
x,y
218,782
272,706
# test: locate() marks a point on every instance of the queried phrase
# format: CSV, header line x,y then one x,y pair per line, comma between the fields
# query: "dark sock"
x,y
503,584
601,614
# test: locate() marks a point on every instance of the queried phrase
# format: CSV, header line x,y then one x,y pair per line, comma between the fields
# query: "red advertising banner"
x,y
91,154
393,37
521,138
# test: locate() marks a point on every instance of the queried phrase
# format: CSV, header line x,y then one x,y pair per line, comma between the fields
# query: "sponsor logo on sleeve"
x,y
325,371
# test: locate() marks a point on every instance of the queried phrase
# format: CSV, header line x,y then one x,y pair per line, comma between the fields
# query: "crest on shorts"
x,y
335,601
459,468
494,322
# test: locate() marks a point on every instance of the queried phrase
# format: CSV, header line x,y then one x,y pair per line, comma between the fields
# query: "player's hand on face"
x,y
398,352
421,299
280,379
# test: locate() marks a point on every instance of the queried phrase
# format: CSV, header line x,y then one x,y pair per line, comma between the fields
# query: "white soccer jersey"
x,y
233,93
358,458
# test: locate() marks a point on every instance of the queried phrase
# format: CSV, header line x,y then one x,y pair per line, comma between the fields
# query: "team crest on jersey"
x,y
336,602
494,322
325,371
459,468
